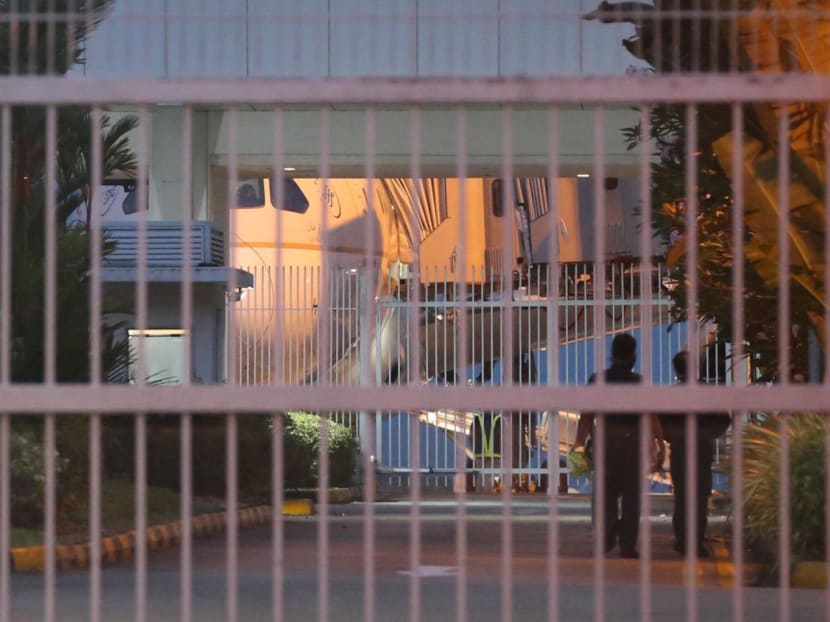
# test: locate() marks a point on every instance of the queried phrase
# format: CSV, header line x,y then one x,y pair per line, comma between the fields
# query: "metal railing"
x,y
438,310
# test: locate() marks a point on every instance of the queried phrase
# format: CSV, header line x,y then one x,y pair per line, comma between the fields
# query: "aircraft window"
x,y
293,198
250,193
496,189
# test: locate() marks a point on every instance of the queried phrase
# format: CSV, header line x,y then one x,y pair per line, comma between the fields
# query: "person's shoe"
x,y
629,554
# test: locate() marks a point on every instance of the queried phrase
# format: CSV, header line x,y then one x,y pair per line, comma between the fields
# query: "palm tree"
x,y
29,194
54,49
764,38
33,45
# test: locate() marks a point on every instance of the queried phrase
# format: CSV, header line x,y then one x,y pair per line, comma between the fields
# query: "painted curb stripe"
x,y
122,546
809,575
28,559
297,507
723,564
812,575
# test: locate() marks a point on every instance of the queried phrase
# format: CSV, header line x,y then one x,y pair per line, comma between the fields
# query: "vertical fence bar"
x,y
692,341
461,354
140,423
186,439
324,358
6,222
552,354
281,319
414,365
95,322
506,355
646,365
5,516
141,517
784,372
599,330
140,309
232,295
738,356
50,361
186,551
367,421
277,521
95,517
5,357
51,258
232,349
232,515
826,379
49,528
784,319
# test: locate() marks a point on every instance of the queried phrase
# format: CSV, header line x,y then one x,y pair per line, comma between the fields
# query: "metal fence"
x,y
438,311
719,111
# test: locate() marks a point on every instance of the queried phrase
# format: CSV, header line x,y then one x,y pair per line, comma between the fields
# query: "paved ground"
x,y
437,570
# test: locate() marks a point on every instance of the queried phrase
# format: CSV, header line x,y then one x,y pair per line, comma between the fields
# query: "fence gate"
x,y
339,280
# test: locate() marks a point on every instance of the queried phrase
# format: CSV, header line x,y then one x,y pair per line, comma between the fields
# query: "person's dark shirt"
x,y
620,373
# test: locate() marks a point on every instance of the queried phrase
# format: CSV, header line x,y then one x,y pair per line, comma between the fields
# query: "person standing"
x,y
710,427
622,454
523,425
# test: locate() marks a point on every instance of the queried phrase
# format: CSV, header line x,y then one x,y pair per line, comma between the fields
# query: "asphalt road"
x,y
436,570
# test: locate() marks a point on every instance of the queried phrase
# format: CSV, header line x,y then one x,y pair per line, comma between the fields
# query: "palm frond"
x,y
32,45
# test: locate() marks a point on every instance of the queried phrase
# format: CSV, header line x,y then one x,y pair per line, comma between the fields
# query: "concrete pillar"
x,y
166,164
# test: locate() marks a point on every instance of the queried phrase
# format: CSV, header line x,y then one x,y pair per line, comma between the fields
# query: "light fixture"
x,y
583,175
157,332
289,169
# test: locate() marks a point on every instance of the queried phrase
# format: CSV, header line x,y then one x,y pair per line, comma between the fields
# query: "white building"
x,y
403,39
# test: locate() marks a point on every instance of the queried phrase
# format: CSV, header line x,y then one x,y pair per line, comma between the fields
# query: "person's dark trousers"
x,y
705,457
622,465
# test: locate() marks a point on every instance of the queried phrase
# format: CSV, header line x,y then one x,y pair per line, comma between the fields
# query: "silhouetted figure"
x,y
522,424
621,456
710,427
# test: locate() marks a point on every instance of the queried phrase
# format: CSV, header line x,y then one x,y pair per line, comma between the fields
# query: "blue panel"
x,y
436,450
576,359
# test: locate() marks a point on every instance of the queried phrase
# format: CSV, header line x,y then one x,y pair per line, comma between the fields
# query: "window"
x,y
165,352
250,193
496,190
293,198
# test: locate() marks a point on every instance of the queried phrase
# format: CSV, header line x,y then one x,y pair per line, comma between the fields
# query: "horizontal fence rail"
x,y
384,91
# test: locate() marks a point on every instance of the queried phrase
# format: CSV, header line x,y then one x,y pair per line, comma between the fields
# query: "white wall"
x,y
319,38
439,149
164,311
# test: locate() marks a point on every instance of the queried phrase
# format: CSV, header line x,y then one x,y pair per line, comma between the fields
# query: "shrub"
x,y
208,453
302,450
762,450
254,460
27,469
27,477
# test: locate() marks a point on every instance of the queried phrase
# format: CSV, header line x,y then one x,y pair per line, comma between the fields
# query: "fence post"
x,y
365,340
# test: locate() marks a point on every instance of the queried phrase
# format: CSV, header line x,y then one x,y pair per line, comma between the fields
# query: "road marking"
x,y
428,572
723,563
